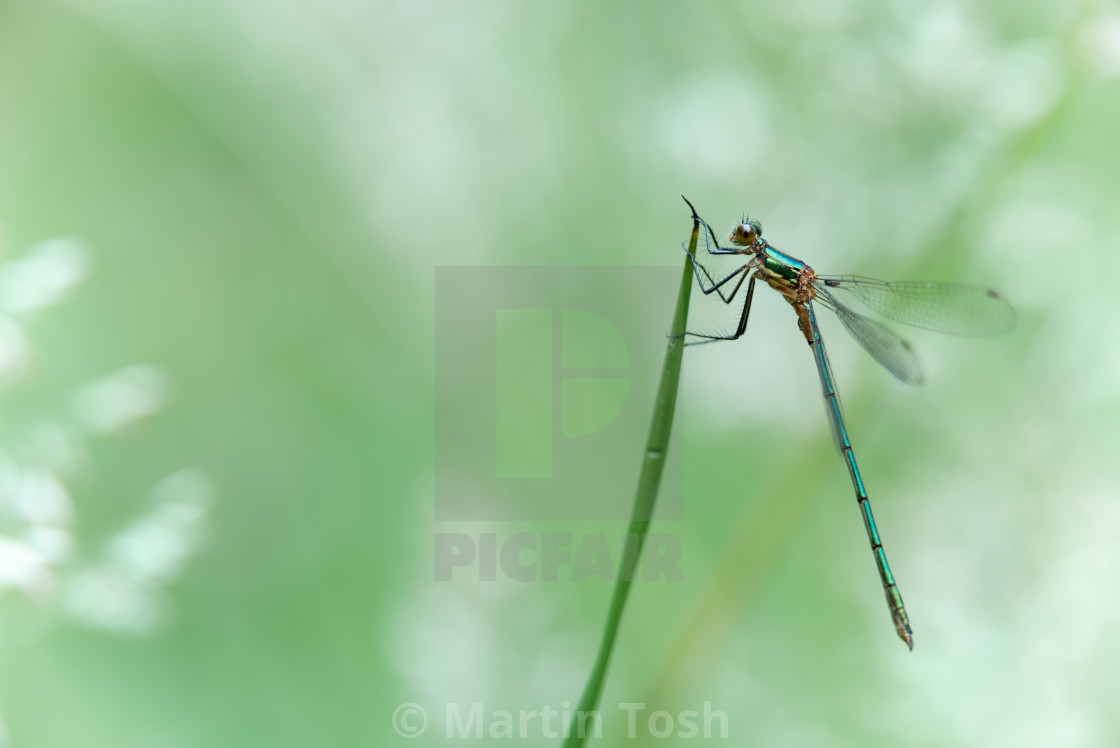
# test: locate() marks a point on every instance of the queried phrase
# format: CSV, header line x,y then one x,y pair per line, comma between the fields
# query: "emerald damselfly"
x,y
943,307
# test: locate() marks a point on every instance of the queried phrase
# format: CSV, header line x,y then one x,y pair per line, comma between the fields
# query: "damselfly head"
x,y
746,233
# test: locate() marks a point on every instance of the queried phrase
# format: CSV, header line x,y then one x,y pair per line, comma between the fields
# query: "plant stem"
x,y
653,464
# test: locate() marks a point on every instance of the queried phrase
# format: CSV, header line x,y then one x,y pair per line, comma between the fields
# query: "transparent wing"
x,y
942,307
885,346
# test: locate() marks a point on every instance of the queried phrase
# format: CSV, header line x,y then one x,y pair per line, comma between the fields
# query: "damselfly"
x,y
944,307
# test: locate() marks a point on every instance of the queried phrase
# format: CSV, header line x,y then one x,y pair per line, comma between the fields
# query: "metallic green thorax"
x,y
782,264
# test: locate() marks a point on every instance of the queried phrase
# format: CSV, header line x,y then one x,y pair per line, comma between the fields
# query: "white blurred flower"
x,y
120,399
106,599
121,591
156,545
118,584
15,350
44,276
41,499
53,544
23,567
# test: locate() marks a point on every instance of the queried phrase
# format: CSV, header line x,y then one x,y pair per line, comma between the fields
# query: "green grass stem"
x,y
649,481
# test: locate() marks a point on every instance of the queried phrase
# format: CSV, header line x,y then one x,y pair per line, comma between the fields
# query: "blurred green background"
x,y
220,224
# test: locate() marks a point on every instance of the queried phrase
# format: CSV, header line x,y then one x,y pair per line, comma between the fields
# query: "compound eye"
x,y
744,234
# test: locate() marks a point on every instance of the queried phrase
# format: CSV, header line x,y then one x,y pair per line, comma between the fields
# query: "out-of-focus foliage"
x,y
219,229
